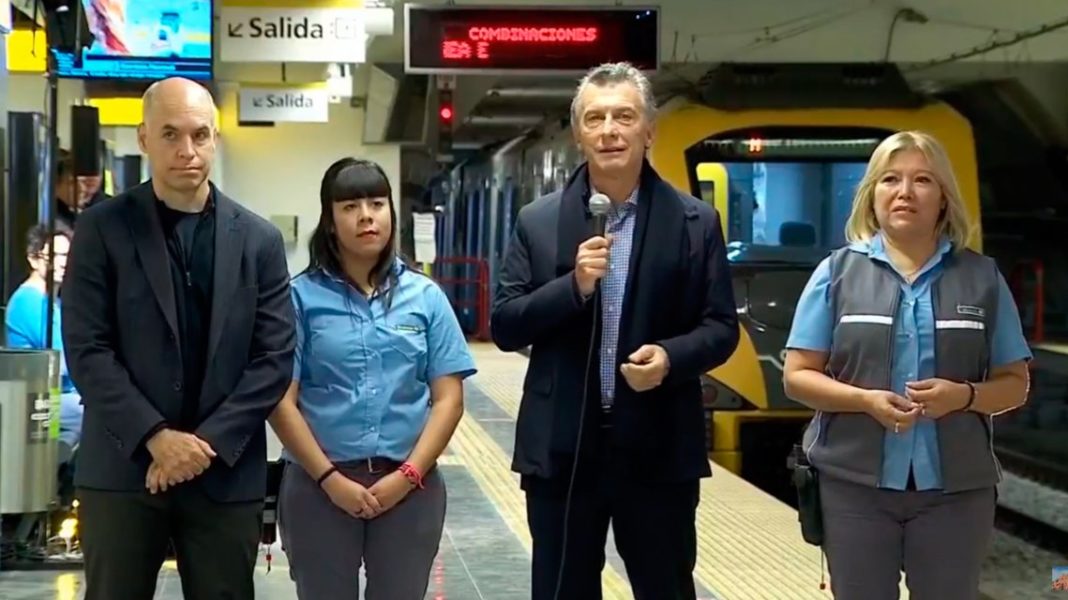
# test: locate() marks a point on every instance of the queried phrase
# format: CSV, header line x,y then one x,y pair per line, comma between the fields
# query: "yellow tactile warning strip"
x,y
491,467
749,543
450,460
1055,348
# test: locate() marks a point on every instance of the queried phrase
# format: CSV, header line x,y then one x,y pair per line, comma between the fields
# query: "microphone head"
x,y
599,205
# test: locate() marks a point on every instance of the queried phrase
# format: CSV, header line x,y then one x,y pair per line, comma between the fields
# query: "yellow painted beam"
x,y
26,52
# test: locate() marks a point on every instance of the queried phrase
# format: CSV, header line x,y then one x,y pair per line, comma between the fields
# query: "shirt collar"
x,y
628,204
876,248
397,269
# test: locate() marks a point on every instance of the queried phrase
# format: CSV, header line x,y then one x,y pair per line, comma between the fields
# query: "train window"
x,y
784,193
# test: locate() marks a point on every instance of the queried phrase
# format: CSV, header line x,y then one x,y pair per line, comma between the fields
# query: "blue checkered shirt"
x,y
620,224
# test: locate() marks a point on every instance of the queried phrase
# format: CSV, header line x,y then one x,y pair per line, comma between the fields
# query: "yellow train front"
x,y
783,183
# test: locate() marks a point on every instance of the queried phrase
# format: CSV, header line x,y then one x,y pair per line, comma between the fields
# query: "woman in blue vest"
x,y
906,344
377,392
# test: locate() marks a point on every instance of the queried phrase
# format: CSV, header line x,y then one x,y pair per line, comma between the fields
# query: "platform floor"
x,y
749,543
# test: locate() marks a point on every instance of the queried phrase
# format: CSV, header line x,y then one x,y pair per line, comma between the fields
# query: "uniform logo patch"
x,y
975,311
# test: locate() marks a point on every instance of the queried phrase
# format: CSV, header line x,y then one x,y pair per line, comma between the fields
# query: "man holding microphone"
x,y
621,323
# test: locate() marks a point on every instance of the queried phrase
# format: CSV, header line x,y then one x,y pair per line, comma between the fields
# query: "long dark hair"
x,y
352,179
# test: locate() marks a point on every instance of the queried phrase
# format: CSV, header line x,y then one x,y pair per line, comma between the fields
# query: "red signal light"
x,y
446,113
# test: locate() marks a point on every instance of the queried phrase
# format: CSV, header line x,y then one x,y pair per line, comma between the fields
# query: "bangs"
x,y
360,181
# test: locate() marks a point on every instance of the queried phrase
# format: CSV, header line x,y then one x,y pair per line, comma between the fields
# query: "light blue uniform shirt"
x,y
25,323
914,354
365,371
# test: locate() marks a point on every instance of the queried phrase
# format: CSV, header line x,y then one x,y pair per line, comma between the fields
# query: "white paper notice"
x,y
423,231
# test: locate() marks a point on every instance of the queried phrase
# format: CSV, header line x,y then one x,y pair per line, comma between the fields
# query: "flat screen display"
x,y
144,39
565,40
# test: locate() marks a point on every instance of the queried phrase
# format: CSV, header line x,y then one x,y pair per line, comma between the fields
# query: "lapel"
x,y
152,250
575,223
229,250
660,218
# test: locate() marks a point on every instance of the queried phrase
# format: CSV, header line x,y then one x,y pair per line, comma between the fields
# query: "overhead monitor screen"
x,y
458,39
144,39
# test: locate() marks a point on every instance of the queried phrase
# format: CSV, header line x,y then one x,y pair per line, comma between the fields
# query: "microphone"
x,y
599,205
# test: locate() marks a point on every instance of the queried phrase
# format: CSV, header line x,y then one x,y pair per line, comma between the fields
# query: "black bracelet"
x,y
329,472
971,395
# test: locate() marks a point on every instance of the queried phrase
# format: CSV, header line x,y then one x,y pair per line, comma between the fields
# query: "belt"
x,y
372,465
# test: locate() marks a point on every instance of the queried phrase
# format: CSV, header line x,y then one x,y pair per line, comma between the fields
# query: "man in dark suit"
x,y
179,332
621,326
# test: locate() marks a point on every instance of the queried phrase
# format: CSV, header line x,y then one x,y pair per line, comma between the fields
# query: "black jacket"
x,y
678,295
120,332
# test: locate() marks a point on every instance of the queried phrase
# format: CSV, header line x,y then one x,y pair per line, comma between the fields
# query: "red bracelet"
x,y
411,474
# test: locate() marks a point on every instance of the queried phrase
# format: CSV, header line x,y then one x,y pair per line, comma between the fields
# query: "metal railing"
x,y
465,280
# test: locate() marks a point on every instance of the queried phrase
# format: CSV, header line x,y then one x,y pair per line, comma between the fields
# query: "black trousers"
x,y
653,525
125,536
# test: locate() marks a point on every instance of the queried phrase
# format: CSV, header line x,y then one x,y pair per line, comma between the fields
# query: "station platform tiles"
x,y
749,543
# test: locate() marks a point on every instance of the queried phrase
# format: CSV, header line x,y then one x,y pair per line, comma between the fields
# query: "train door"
x,y
713,183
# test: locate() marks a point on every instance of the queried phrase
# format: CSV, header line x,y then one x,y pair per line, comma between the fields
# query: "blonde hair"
x,y
954,222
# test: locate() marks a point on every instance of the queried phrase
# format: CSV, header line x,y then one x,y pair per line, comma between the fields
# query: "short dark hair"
x,y
40,236
352,179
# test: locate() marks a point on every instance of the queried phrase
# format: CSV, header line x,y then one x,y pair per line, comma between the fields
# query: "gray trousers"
x,y
872,535
325,546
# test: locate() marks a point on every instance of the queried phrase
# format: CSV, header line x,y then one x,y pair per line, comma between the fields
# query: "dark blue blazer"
x,y
678,295
120,331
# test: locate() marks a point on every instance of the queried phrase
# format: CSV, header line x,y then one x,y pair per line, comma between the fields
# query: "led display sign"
x,y
532,40
772,144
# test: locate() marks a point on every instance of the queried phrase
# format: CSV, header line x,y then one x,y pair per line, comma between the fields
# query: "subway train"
x,y
782,180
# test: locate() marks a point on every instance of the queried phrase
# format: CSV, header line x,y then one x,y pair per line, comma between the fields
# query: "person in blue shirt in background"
x,y
906,344
377,393
26,320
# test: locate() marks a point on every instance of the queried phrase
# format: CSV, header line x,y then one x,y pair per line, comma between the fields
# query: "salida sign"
x,y
287,27
293,104
293,35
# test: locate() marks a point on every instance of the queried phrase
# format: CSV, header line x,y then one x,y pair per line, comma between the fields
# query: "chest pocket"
x,y
406,336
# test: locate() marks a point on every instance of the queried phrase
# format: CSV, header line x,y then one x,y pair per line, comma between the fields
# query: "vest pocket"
x,y
965,445
851,447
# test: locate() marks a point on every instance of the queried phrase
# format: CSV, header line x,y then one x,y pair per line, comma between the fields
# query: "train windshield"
x,y
784,193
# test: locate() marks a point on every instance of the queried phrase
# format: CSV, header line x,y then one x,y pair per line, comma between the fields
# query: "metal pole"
x,y
51,198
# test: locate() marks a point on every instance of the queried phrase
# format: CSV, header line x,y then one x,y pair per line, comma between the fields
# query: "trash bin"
x,y
29,429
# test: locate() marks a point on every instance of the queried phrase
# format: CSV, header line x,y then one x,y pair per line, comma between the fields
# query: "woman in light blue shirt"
x,y
906,344
376,395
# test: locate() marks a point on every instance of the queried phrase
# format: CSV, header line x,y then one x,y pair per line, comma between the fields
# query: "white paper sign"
x,y
295,104
5,16
292,35
423,232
